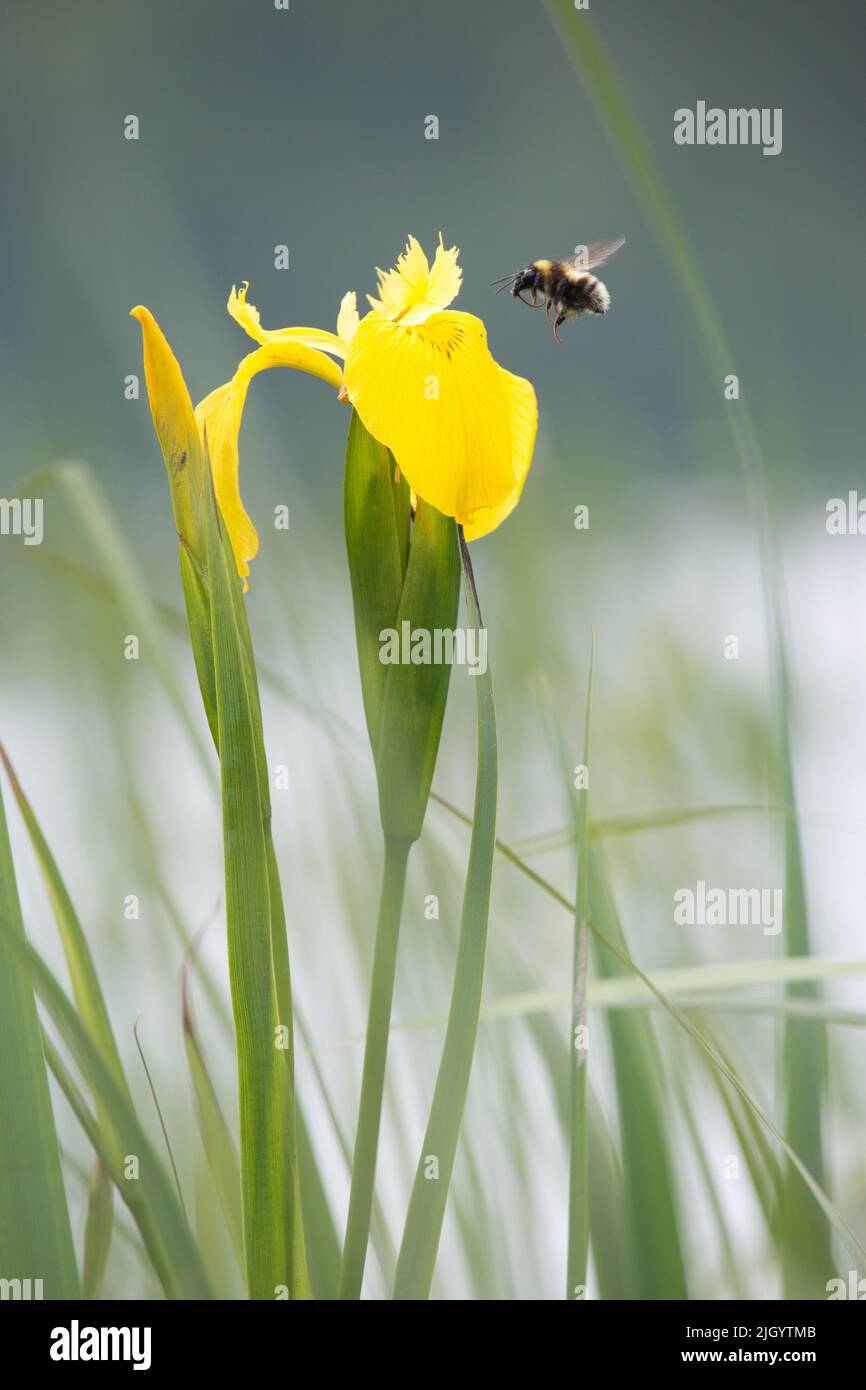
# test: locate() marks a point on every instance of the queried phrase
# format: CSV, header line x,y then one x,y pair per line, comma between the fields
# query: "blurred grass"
x,y
803,1231
35,1234
511,994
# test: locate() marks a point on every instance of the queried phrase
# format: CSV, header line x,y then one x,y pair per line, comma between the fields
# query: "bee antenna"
x,y
505,286
502,279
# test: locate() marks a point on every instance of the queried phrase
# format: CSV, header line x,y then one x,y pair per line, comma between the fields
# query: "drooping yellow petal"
x,y
433,394
523,425
176,429
414,291
247,315
219,415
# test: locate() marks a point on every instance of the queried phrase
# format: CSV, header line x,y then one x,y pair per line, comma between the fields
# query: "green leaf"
x,y
320,1233
149,1196
35,1235
272,1223
94,1015
426,1212
86,989
217,1141
650,1179
97,1230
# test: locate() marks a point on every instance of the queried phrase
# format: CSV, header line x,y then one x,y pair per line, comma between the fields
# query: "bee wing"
x,y
598,253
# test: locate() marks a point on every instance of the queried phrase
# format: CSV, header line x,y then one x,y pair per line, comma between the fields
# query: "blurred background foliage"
x,y
306,128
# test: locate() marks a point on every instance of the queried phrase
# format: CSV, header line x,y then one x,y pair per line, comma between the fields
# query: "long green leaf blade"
x,y
273,1229
578,1197
35,1235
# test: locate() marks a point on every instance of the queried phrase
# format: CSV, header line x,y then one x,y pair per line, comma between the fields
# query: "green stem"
x,y
427,1204
375,1055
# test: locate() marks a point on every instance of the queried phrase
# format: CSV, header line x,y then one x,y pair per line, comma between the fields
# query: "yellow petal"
x,y
219,416
347,319
174,422
524,422
414,291
247,315
434,395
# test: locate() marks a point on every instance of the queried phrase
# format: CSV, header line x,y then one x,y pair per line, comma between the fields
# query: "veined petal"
x,y
415,290
524,422
247,315
174,422
219,415
434,395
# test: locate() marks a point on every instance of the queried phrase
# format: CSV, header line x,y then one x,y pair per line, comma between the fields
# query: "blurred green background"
x,y
306,127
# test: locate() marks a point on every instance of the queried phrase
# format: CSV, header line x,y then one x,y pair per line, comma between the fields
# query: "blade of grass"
x,y
92,1010
834,1218
100,527
320,1232
426,1212
159,1115
129,1189
578,1197
217,1141
98,1229
695,981
803,1233
150,1191
692,985
650,1177
86,989
35,1234
608,826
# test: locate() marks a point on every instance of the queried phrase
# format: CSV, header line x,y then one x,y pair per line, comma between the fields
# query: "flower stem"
x,y
417,1259
375,1055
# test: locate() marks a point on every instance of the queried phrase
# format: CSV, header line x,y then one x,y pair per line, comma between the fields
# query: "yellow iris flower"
x,y
422,379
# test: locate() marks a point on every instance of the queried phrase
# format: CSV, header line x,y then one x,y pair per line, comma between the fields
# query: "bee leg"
x,y
530,303
560,318
548,308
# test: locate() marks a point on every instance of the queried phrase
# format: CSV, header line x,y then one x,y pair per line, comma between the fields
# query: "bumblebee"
x,y
567,288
